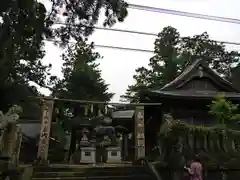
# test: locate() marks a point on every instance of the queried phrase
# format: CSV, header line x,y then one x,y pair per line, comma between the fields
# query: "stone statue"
x,y
9,131
84,134
168,118
84,141
11,117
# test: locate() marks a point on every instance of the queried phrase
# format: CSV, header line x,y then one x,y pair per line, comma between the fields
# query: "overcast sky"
x,y
119,66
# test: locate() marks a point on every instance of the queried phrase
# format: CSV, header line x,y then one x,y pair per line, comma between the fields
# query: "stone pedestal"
x,y
88,155
114,155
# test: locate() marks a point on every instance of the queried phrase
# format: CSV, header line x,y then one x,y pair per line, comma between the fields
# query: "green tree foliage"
x,y
21,49
79,17
82,77
223,110
82,15
216,145
82,80
25,24
171,55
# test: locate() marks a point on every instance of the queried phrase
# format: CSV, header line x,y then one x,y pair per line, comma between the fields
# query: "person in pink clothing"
x,y
195,169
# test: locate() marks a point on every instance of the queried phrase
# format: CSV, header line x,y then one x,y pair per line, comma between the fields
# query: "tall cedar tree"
x,y
82,81
82,77
24,26
171,55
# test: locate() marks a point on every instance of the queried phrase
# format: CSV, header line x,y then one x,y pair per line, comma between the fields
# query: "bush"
x,y
223,110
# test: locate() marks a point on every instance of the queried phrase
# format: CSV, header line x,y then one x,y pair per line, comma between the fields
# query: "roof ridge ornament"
x,y
200,71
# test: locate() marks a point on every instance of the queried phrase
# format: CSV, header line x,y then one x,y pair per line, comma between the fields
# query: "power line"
x,y
125,31
141,33
124,48
185,14
153,34
112,29
110,47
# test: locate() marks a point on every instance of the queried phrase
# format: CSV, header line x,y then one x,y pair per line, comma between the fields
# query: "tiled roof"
x,y
190,68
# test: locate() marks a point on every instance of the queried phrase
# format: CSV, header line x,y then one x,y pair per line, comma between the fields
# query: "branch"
x,y
52,9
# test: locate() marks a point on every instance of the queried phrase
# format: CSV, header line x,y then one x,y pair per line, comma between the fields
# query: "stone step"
x,y
58,174
80,172
87,173
129,177
89,168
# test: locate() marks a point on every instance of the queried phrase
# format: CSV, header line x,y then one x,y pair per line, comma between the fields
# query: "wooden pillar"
x,y
67,146
125,145
17,145
139,133
2,139
47,109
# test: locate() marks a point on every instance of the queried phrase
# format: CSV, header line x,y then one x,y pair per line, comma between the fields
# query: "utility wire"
x,y
125,31
110,47
185,14
124,48
141,33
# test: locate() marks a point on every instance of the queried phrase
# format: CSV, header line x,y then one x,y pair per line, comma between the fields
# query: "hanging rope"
x,y
94,102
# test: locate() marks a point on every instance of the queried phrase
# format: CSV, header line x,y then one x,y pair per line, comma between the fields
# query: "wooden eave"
x,y
193,71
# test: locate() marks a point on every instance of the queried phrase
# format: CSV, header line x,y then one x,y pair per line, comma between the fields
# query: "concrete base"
x,y
114,155
88,155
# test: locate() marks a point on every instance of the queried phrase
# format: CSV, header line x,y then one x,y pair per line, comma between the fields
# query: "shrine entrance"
x,y
95,140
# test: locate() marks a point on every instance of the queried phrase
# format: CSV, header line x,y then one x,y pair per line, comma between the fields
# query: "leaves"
x,y
24,26
216,144
223,110
82,78
21,51
171,55
82,81
81,16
